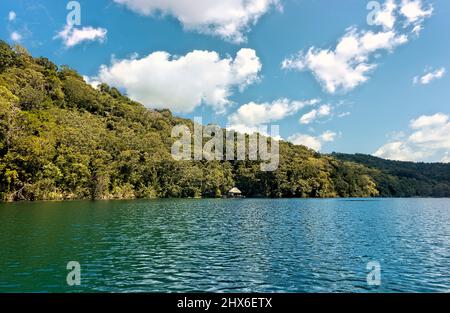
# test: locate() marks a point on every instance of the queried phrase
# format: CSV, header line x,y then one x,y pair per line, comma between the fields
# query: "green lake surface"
x,y
242,245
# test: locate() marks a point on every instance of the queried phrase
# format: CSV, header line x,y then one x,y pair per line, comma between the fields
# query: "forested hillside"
x,y
62,139
405,179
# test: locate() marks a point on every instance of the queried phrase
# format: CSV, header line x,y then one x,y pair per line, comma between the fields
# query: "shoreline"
x,y
355,199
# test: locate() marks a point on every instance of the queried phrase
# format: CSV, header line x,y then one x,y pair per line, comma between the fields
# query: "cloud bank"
x,y
429,138
349,64
228,19
250,116
313,142
183,83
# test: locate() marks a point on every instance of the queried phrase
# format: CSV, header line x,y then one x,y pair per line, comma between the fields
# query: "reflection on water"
x,y
226,245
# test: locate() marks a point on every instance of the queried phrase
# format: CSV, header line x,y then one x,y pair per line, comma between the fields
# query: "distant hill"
x,y
405,179
62,139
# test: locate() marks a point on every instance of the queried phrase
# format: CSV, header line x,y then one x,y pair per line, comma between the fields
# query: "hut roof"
x,y
235,190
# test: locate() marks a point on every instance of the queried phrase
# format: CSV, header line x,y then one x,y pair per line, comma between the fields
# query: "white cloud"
x,y
414,12
251,129
15,36
347,66
446,158
306,140
186,82
429,77
322,111
250,116
417,29
434,136
313,142
12,16
256,114
423,121
386,17
229,19
94,83
72,36
308,117
430,137
344,114
400,151
328,136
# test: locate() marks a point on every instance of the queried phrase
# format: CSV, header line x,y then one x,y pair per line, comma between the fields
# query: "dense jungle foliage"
x,y
405,179
62,139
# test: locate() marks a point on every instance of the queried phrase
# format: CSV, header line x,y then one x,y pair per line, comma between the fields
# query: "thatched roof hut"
x,y
235,192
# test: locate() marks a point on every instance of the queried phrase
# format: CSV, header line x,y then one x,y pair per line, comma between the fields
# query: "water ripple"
x,y
227,245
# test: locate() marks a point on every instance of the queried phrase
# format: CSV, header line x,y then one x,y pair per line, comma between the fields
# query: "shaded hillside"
x,y
405,179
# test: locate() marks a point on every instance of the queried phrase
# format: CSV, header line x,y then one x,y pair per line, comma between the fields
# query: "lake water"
x,y
226,245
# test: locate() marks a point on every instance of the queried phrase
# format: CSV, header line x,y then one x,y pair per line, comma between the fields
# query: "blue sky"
x,y
331,76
